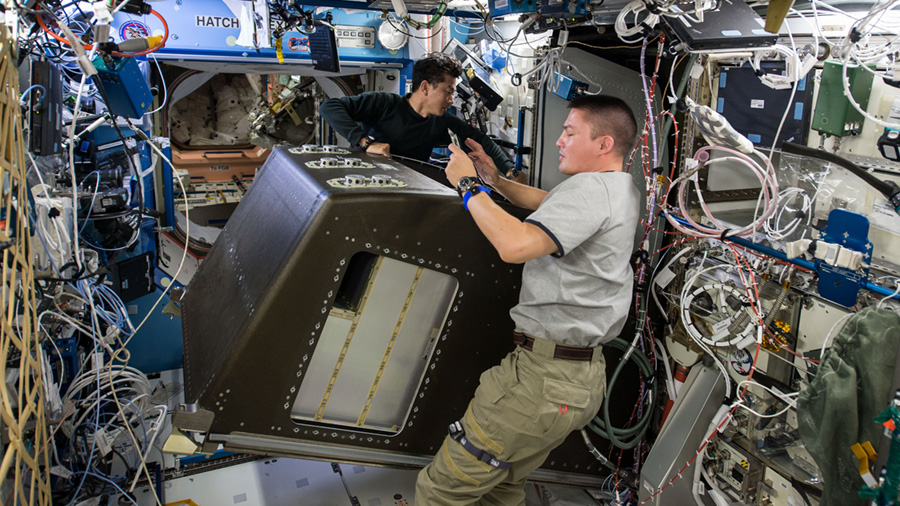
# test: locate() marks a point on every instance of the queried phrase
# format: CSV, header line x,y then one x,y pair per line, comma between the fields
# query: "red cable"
x,y
88,47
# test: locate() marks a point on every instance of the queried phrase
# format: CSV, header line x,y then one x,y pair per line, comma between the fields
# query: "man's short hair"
x,y
609,116
434,68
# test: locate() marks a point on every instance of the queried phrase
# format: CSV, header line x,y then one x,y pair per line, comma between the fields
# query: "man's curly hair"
x,y
433,68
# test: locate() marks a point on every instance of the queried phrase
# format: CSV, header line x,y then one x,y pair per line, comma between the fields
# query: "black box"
x,y
755,110
734,25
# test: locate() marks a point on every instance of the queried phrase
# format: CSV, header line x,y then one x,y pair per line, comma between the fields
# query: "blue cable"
x,y
30,89
93,475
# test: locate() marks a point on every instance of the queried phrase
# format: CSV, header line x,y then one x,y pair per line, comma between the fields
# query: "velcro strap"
x,y
459,435
482,455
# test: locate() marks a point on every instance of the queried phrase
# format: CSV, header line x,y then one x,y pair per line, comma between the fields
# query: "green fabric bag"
x,y
851,387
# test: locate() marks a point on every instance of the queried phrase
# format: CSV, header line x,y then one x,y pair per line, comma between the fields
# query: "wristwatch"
x,y
469,184
369,140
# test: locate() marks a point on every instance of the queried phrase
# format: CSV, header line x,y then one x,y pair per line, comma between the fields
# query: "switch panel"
x,y
355,36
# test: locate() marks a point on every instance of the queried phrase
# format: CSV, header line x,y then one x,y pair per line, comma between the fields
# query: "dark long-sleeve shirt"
x,y
389,118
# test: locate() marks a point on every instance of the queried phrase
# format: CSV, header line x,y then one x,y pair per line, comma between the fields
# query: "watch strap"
x,y
474,191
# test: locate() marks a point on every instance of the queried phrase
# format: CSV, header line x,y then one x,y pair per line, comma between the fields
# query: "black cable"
x,y
128,152
887,188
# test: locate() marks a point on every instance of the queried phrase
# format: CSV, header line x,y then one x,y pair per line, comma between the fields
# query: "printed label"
x,y
217,22
298,44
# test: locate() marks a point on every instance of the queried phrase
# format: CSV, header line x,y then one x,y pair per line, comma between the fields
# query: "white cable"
x,y
786,398
681,253
633,8
670,383
187,233
891,296
699,339
787,408
768,194
777,232
165,89
828,335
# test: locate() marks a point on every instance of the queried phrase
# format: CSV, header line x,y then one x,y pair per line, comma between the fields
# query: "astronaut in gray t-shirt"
x,y
576,291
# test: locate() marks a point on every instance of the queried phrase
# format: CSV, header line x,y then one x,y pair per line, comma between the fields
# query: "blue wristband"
x,y
468,195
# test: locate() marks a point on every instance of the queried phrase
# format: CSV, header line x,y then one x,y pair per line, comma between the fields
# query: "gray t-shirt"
x,y
580,295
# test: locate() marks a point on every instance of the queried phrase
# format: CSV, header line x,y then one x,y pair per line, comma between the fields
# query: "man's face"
x,y
578,152
439,97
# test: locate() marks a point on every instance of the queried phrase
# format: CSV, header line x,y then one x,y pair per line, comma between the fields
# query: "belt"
x,y
560,351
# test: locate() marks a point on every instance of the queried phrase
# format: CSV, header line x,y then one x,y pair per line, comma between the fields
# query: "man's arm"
x,y
521,195
465,131
344,114
516,242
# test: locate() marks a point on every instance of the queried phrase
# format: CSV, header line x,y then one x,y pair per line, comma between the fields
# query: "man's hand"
x,y
459,166
379,148
517,176
483,163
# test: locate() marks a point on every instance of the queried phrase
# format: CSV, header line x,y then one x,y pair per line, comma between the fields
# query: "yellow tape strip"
x,y
390,346
340,361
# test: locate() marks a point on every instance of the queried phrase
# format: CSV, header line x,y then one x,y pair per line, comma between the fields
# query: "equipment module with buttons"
x,y
504,7
355,36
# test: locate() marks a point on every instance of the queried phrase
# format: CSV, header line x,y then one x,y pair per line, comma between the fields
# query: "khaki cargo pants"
x,y
523,409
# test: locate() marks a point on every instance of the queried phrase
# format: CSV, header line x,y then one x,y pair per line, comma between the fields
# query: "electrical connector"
x,y
86,66
721,420
139,7
797,248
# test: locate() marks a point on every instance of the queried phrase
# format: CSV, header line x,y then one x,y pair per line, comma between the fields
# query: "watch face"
x,y
466,184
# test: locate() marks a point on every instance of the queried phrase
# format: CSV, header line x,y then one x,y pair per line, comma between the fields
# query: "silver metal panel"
x,y
681,436
367,374
373,334
617,81
424,320
313,388
240,441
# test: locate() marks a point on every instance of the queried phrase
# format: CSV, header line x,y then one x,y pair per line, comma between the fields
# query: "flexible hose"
x,y
629,437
